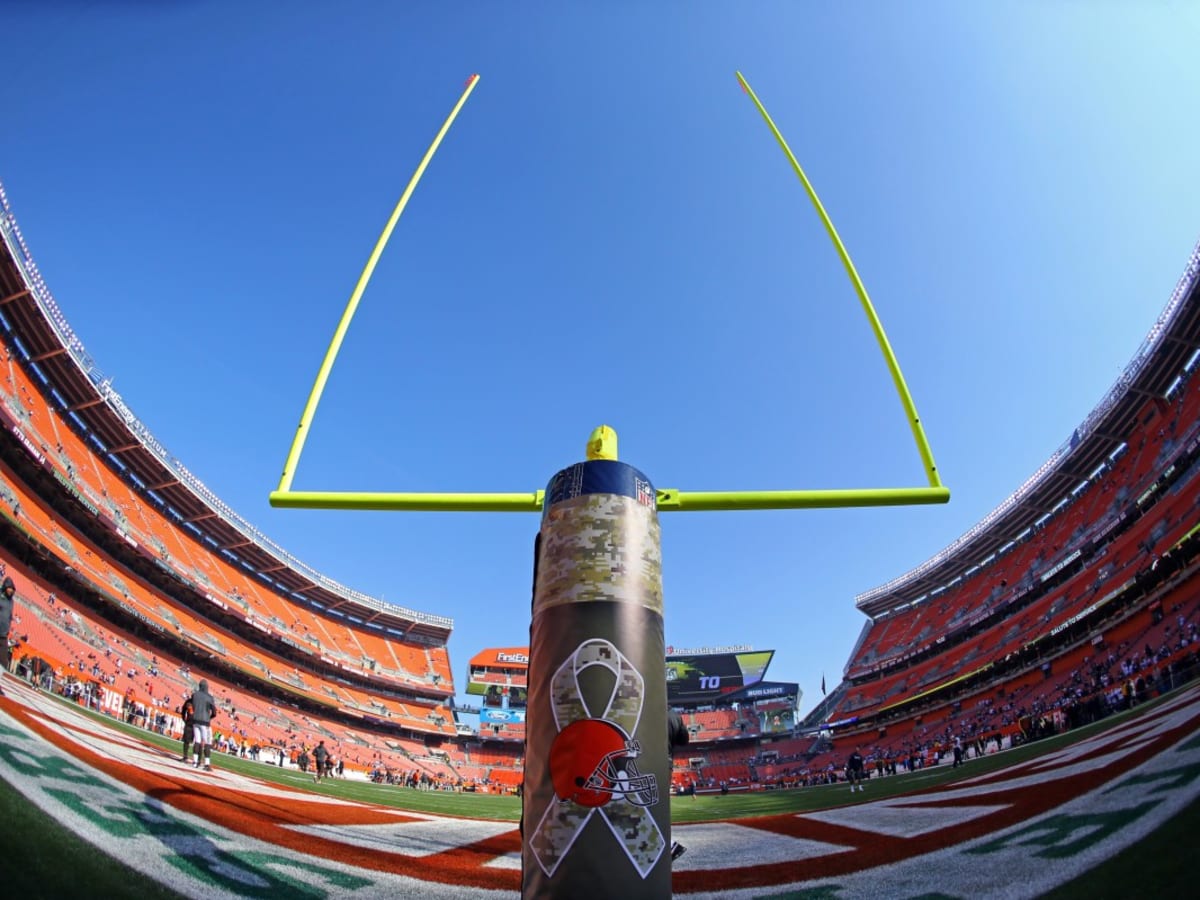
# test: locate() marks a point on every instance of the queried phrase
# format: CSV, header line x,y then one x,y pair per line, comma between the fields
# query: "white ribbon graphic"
x,y
630,823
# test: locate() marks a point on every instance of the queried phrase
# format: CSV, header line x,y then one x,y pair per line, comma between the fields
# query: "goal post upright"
x,y
596,673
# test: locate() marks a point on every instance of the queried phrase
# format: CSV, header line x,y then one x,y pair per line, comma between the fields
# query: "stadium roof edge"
x,y
18,252
1084,441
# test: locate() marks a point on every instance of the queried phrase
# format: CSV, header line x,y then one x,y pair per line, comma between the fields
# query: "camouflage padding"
x,y
563,821
596,653
636,833
624,707
600,547
556,833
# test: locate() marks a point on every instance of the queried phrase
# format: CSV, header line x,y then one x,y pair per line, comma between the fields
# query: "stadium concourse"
x,y
1072,603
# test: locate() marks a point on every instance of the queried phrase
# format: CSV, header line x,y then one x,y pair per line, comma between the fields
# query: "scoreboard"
x,y
696,679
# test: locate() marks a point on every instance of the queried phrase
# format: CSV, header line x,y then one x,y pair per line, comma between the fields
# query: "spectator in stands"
x,y
7,591
204,710
855,771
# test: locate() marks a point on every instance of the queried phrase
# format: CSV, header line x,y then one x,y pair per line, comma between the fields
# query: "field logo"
x,y
592,764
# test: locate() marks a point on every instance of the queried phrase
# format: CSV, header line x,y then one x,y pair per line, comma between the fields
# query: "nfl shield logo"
x,y
645,493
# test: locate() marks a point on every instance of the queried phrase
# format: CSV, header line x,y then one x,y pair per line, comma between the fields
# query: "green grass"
x,y
40,858
1160,865
684,810
708,808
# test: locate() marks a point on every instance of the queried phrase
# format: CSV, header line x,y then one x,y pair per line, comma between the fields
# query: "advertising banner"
x,y
501,716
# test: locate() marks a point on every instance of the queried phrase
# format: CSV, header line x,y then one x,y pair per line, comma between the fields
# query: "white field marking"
x,y
87,733
68,715
1030,858
1168,715
1131,734
1079,757
997,782
505,861
899,818
410,838
95,736
1015,866
724,845
149,758
922,774
193,856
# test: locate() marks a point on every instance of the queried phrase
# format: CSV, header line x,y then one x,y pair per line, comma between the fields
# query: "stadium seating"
x,y
919,630
1071,615
83,475
143,525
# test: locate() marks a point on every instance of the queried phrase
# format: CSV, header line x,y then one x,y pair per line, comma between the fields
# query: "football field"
x,y
96,802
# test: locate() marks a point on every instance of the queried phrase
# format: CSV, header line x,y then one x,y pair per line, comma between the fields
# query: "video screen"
x,y
705,678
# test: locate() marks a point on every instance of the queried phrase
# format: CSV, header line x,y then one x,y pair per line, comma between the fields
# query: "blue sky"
x,y
609,235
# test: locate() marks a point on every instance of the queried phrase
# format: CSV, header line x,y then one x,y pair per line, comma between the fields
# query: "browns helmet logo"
x,y
592,762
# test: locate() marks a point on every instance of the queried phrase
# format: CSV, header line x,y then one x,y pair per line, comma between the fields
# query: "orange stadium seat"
x,y
132,516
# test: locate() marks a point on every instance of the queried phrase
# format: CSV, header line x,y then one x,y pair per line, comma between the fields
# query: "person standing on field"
x,y
321,755
855,771
7,594
204,710
189,727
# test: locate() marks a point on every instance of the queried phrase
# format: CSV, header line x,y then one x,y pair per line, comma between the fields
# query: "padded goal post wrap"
x,y
596,813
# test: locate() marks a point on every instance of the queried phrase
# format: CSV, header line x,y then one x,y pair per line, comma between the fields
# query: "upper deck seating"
x,y
143,525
